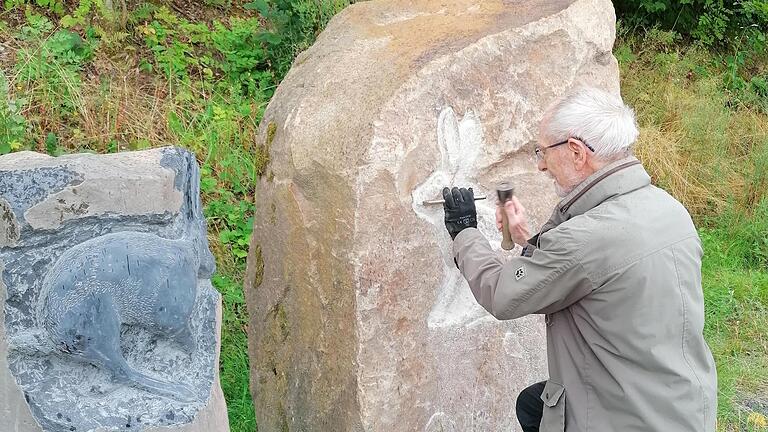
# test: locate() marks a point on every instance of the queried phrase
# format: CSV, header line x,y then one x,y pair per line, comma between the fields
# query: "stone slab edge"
x,y
87,197
15,415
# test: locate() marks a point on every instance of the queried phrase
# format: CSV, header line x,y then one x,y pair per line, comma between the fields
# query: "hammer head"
x,y
505,191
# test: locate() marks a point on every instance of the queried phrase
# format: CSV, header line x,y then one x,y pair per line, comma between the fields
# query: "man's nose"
x,y
542,165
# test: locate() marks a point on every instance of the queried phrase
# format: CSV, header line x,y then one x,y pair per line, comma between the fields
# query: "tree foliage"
x,y
713,22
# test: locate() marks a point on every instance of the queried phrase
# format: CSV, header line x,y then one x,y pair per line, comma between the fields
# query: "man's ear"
x,y
578,152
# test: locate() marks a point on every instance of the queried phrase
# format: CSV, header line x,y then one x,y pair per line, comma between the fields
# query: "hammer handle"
x,y
506,242
505,193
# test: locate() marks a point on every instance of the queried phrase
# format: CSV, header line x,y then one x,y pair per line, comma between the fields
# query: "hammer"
x,y
505,191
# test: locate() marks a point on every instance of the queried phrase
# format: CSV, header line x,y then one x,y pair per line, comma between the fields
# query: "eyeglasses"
x,y
541,151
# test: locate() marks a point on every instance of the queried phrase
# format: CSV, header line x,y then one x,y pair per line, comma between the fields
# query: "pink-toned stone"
x,y
359,318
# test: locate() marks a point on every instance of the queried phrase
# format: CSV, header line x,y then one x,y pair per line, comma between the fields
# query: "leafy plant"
x,y
55,6
52,144
713,22
52,63
294,25
232,216
79,15
173,54
242,57
13,125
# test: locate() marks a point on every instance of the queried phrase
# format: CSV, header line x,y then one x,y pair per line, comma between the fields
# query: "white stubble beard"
x,y
559,190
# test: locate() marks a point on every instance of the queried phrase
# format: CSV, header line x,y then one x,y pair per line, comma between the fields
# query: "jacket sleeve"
x,y
550,279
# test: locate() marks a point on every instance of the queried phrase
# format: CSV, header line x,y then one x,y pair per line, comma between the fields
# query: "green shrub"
x,y
240,49
295,25
55,6
713,22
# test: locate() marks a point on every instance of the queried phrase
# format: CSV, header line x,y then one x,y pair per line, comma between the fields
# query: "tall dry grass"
x,y
710,156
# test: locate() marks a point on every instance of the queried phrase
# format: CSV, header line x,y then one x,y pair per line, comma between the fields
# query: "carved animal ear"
x,y
460,142
449,140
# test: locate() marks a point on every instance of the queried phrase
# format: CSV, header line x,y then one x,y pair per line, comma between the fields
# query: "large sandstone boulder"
x,y
108,320
359,318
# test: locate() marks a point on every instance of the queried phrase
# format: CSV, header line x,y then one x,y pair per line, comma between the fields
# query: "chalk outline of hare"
x,y
460,144
124,278
98,308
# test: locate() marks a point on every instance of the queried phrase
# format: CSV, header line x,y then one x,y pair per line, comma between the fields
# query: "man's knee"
x,y
530,407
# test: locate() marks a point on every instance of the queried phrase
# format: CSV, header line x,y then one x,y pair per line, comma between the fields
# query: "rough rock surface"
x,y
59,262
359,318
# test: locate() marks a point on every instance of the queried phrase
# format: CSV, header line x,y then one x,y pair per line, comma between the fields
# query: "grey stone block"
x,y
109,320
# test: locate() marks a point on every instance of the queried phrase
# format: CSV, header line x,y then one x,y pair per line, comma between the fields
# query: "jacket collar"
x,y
614,179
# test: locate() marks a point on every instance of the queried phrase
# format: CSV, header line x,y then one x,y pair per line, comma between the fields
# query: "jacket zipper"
x,y
568,205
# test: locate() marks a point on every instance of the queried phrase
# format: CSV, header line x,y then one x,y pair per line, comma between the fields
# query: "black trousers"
x,y
530,407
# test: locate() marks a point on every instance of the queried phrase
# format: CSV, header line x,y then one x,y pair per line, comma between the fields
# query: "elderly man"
x,y
616,271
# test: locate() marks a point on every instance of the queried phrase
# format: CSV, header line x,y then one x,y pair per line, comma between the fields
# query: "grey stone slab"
x,y
110,320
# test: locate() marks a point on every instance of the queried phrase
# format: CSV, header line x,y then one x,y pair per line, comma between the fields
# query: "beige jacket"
x,y
617,271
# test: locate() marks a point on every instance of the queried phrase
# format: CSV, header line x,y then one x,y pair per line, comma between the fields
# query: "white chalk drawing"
x,y
460,143
512,345
440,422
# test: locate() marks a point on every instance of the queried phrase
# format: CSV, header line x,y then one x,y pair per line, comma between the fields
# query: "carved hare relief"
x,y
460,144
125,278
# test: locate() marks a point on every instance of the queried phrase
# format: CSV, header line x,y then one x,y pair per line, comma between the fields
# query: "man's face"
x,y
557,162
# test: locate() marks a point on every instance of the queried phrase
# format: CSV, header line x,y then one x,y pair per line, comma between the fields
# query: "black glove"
x,y
459,209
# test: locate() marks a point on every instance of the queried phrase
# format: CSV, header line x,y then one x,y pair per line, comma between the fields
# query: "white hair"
x,y
598,118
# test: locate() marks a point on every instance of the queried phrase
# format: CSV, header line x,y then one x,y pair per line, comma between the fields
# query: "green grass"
x,y
706,142
234,356
736,298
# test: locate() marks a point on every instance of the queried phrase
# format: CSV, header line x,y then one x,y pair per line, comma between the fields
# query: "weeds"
x,y
13,125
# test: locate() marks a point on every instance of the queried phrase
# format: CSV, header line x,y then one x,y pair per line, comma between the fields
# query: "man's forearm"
x,y
479,264
544,282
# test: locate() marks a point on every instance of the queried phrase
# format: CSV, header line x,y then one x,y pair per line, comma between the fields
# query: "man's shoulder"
x,y
646,218
570,236
640,205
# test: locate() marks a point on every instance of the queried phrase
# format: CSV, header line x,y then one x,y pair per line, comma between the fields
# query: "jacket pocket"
x,y
553,418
